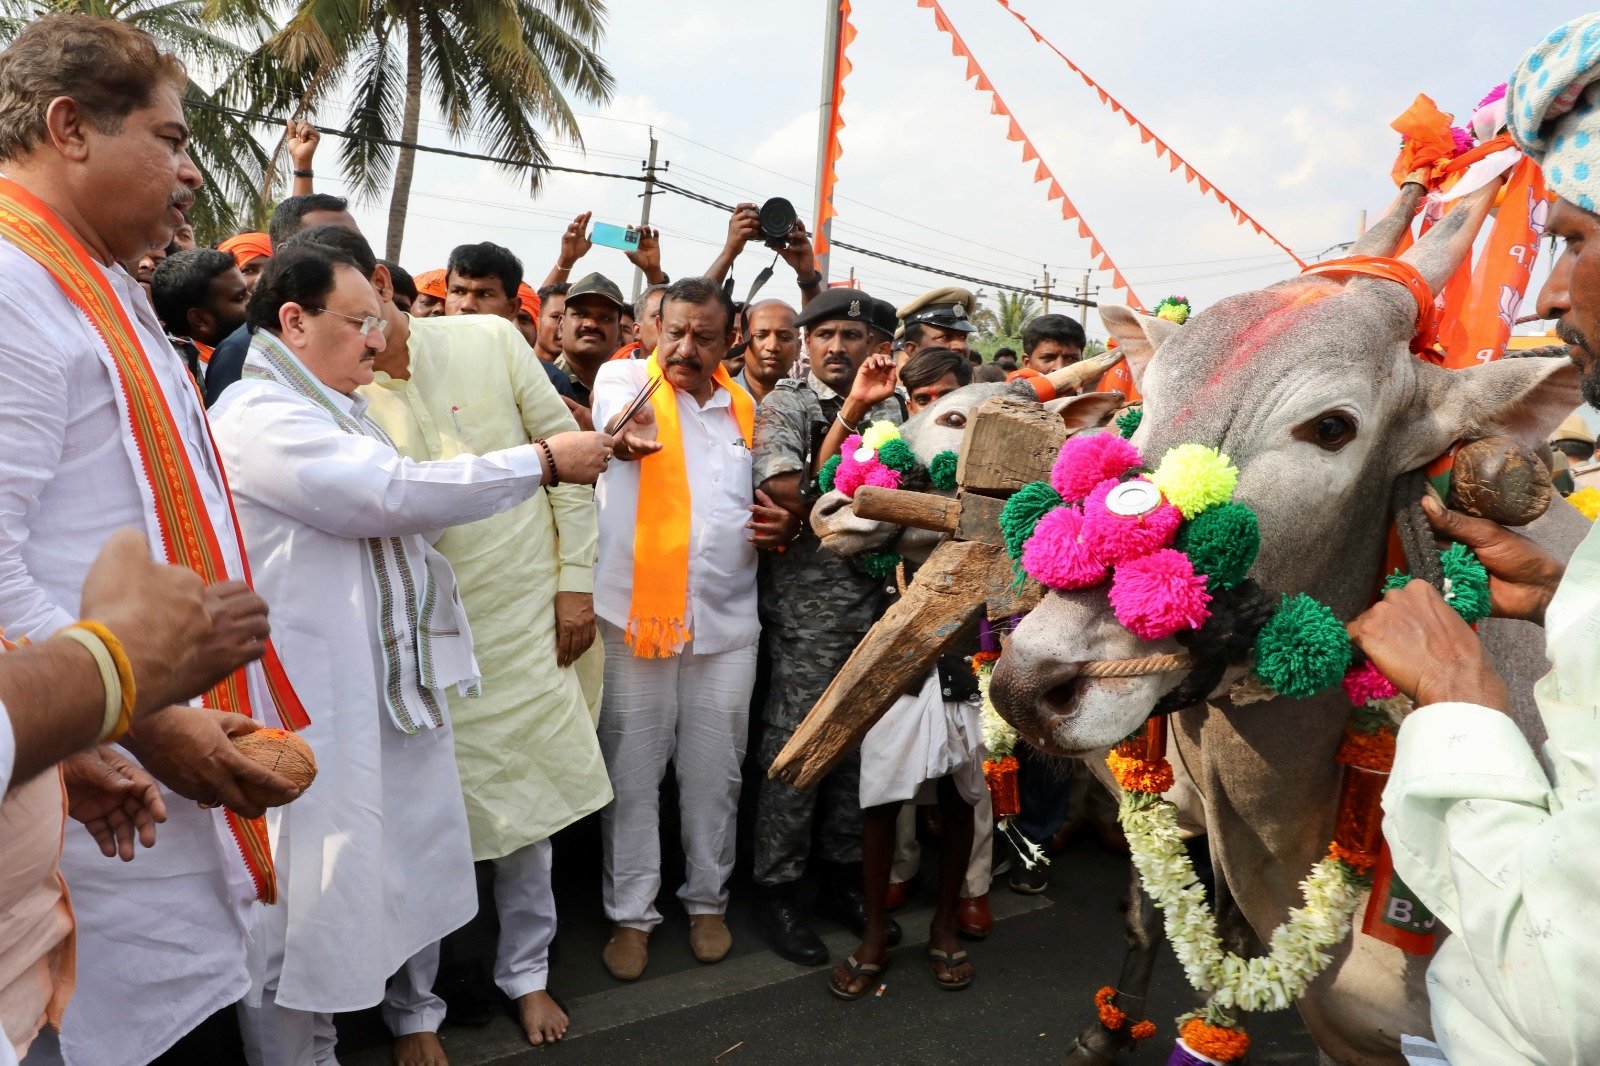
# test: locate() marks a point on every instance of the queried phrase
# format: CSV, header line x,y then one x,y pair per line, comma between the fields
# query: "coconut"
x,y
282,752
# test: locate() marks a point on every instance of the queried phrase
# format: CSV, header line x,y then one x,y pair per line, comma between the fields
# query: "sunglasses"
x,y
365,324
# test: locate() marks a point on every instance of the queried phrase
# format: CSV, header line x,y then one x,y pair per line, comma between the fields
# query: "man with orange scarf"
x,y
675,592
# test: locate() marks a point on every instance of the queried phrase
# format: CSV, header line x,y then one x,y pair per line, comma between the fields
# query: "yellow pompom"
x,y
1193,478
878,434
1587,501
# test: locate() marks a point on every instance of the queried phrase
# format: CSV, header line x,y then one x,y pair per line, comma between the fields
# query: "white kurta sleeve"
x,y
33,431
571,506
1477,831
293,458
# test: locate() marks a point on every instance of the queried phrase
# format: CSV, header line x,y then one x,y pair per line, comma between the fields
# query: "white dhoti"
x,y
921,738
693,710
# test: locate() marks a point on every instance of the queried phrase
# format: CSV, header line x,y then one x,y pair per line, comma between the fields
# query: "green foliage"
x,y
1303,649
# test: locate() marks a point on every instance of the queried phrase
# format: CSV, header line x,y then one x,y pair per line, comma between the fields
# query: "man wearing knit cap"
x,y
1503,846
939,318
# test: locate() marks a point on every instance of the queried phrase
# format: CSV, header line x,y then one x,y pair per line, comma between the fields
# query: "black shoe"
x,y
1029,882
782,924
842,901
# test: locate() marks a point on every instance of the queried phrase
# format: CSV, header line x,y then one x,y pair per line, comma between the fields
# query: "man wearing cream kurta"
x,y
1501,845
526,746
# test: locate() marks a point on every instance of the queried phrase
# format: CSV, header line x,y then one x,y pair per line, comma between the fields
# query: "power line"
x,y
505,161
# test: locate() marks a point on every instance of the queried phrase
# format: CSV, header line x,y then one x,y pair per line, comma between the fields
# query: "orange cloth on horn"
x,y
527,298
430,283
656,626
247,247
1425,141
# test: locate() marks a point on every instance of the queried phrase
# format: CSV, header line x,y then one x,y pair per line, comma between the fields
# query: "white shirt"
x,y
66,483
1505,851
374,859
721,608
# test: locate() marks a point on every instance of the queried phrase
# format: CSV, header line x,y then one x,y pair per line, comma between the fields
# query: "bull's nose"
x,y
1033,695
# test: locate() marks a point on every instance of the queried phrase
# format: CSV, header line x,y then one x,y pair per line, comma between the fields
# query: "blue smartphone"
x,y
623,237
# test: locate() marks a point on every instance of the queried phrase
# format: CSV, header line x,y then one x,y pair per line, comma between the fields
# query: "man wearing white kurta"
x,y
675,590
378,865
71,472
525,746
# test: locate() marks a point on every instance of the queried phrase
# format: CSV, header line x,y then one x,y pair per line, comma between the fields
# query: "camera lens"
x,y
778,217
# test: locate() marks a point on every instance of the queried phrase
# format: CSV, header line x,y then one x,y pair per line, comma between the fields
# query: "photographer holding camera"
x,y
769,223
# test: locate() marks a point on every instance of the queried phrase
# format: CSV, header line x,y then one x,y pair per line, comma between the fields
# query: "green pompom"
x,y
1222,543
1303,649
880,564
826,475
1128,421
1396,580
897,455
1022,512
1468,583
942,471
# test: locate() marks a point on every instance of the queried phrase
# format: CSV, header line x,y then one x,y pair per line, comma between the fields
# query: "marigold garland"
x,y
1215,1041
1137,775
1114,1017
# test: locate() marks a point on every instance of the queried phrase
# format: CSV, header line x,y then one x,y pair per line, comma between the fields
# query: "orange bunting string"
x,y
830,168
1147,136
1014,132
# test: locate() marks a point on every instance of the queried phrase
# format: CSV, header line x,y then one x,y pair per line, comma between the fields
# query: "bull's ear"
x,y
1087,411
1138,336
1525,398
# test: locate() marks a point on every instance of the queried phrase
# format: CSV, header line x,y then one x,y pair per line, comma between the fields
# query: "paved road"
x,y
1037,976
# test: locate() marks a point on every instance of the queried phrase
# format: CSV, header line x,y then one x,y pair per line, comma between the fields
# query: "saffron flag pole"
x,y
836,65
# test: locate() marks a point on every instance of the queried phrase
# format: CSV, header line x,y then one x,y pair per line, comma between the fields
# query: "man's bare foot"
x,y
418,1049
543,1020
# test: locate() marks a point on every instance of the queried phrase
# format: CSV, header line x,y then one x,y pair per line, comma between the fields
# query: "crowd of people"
x,y
524,547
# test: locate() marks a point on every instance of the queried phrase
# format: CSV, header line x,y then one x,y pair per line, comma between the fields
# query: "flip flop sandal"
x,y
950,959
857,970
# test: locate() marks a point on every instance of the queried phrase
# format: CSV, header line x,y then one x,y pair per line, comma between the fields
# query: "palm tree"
x,y
199,32
493,67
1002,325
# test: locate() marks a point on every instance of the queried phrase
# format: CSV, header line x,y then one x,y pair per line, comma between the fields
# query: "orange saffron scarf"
x,y
656,626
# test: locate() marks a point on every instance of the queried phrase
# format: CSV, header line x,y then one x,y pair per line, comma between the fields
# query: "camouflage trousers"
x,y
784,816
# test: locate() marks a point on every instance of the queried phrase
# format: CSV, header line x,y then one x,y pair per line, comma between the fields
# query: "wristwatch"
x,y
303,173
810,283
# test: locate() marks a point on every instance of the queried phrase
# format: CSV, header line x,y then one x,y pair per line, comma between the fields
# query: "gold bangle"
x,y
130,689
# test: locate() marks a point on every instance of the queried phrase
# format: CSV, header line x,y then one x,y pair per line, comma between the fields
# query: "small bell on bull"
x,y
1133,499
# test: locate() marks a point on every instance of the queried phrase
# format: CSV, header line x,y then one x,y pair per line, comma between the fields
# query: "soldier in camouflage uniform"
x,y
815,608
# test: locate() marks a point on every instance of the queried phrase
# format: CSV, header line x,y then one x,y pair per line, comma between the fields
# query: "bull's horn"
x,y
1084,371
1384,235
1438,253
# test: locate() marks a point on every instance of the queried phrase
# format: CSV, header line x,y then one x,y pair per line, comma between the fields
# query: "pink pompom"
x,y
1462,139
1055,555
851,474
882,476
1115,538
1497,93
1088,459
1366,682
1159,594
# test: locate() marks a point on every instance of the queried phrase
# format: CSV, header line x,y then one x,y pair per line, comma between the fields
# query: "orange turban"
x,y
246,247
529,300
430,283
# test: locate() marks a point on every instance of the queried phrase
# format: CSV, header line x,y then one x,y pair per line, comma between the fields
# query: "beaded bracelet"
x,y
550,458
116,676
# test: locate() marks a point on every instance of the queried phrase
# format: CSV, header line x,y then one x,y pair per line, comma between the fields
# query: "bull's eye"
x,y
952,419
1331,431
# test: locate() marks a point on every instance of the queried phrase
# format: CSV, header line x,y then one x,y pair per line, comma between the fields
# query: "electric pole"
x,y
1046,288
649,195
1083,308
832,29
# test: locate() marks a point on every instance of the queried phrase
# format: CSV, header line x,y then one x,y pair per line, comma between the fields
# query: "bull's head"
x,y
1310,387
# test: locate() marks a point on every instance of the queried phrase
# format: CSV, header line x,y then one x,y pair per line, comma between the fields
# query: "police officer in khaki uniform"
x,y
939,318
815,606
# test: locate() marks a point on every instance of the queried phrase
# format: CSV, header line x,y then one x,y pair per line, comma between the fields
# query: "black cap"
x,y
601,286
849,305
942,316
884,319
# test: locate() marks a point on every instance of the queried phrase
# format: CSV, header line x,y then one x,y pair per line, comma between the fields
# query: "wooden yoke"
x,y
1008,443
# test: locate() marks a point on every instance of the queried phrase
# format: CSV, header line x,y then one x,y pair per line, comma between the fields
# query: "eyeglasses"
x,y
366,324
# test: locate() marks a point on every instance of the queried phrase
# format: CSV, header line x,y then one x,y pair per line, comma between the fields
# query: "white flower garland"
x,y
1000,740
1295,955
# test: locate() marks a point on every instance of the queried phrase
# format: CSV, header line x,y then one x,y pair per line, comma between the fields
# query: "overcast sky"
x,y
1285,106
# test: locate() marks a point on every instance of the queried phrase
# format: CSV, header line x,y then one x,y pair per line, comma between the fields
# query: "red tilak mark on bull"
x,y
1268,328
